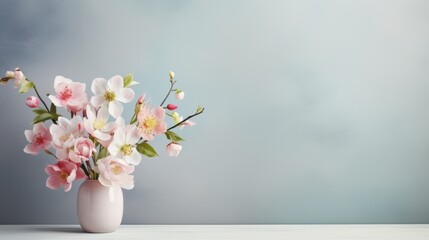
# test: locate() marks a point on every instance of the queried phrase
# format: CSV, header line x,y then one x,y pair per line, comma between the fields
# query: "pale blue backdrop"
x,y
317,111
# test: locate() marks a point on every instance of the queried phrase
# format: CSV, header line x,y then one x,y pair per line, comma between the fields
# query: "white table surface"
x,y
233,232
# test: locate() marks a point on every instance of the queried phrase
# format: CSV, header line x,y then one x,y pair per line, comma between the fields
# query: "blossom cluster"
x,y
96,142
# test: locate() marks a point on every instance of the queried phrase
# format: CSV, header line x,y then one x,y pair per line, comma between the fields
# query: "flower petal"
x,y
114,149
160,128
53,182
101,135
99,86
103,113
29,135
115,109
32,149
105,182
72,176
80,173
60,80
40,128
125,95
159,113
115,83
56,101
74,157
67,187
135,158
97,100
133,136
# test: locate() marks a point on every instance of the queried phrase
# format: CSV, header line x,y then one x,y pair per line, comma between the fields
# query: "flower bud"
x,y
173,149
32,102
10,74
171,107
176,117
171,74
180,94
141,99
18,75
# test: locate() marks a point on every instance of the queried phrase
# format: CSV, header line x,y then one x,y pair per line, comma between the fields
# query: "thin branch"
x,y
41,99
50,153
168,94
84,169
186,119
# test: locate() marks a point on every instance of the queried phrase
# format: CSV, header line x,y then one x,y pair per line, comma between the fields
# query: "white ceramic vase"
x,y
98,210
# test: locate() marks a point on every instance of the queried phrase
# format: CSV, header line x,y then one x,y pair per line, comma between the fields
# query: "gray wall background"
x,y
316,110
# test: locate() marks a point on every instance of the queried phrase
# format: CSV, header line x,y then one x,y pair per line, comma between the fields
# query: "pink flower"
x,y
39,138
70,95
173,149
180,95
83,149
151,122
110,93
64,135
63,173
115,172
32,102
171,107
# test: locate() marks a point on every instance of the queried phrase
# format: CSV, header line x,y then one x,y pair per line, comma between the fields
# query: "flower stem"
x,y
88,165
84,169
41,99
168,94
50,153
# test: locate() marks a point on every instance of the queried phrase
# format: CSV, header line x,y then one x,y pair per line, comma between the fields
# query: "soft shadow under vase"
x,y
98,210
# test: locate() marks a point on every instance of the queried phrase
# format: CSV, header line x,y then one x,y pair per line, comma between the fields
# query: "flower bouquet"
x,y
92,140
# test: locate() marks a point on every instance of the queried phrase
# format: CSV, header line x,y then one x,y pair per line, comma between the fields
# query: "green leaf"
x,y
146,149
128,79
133,120
53,108
102,153
25,86
172,136
39,111
45,116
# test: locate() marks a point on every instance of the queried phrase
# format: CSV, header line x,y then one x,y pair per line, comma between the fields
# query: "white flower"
x,y
123,144
115,172
110,93
96,123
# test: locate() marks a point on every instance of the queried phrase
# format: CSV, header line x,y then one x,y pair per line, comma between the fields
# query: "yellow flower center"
x,y
127,149
99,124
64,137
63,175
109,96
150,123
116,170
